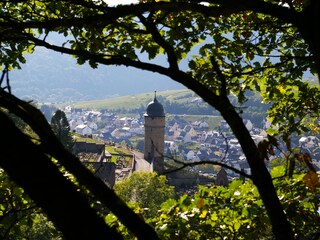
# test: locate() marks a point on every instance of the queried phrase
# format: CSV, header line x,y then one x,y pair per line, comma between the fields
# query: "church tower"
x,y
154,123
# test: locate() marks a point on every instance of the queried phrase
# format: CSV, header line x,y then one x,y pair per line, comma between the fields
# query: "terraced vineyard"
x,y
133,102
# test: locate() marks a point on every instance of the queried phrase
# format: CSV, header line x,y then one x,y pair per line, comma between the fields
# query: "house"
x,y
92,116
73,124
135,123
106,136
200,124
248,124
186,137
174,127
121,133
79,121
222,178
224,125
170,135
196,124
190,130
139,130
266,124
257,138
309,142
212,139
174,133
203,155
116,133
202,136
190,156
203,125
125,132
92,125
68,109
197,100
234,142
172,146
83,129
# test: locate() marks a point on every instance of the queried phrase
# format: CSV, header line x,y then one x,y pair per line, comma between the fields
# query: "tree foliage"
x,y
237,212
147,190
20,218
230,46
61,128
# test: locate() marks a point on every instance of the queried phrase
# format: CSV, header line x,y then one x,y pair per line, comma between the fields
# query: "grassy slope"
x,y
129,102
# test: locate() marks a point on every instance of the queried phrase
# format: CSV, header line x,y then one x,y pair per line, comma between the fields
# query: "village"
x,y
184,141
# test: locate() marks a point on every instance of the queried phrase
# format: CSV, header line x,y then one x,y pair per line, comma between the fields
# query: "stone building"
x,y
154,124
96,156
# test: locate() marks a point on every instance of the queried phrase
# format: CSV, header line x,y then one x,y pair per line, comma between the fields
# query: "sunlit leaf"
x,y
311,179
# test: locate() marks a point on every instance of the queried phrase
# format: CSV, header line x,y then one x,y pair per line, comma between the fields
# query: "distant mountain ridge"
x,y
51,77
56,78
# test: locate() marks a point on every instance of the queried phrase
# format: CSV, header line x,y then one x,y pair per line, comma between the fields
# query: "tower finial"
x,y
155,95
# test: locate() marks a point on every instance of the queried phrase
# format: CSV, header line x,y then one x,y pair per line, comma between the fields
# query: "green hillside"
x,y
182,102
136,101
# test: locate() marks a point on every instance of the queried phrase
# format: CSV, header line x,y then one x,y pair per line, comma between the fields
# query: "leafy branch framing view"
x,y
231,47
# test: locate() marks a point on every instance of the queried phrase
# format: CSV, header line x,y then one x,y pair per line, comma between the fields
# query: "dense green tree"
x,y
20,218
299,195
237,212
61,128
255,45
147,190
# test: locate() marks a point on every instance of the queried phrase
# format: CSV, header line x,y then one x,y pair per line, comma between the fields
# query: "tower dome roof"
x,y
154,108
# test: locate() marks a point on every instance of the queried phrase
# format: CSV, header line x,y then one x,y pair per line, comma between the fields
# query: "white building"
x,y
92,125
83,129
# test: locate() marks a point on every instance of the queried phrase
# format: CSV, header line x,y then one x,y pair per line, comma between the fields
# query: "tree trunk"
x,y
35,119
309,27
34,171
260,175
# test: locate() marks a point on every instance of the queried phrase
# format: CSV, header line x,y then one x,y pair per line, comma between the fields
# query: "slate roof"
x,y
155,109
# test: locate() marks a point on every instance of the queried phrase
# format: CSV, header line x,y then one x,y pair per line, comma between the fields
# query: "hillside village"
x,y
207,144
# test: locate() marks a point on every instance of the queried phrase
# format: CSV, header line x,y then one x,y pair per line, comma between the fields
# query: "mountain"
x,y
53,77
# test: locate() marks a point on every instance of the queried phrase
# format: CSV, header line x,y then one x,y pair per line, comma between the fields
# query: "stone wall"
x,y
106,171
97,159
88,147
182,178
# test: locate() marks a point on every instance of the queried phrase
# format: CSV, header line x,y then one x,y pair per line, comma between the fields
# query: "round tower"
x,y
154,123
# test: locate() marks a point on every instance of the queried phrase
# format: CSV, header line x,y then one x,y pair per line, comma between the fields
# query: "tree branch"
x,y
220,75
112,14
151,27
260,6
45,184
191,164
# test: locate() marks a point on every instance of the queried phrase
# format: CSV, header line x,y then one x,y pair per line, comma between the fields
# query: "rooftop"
x,y
154,108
